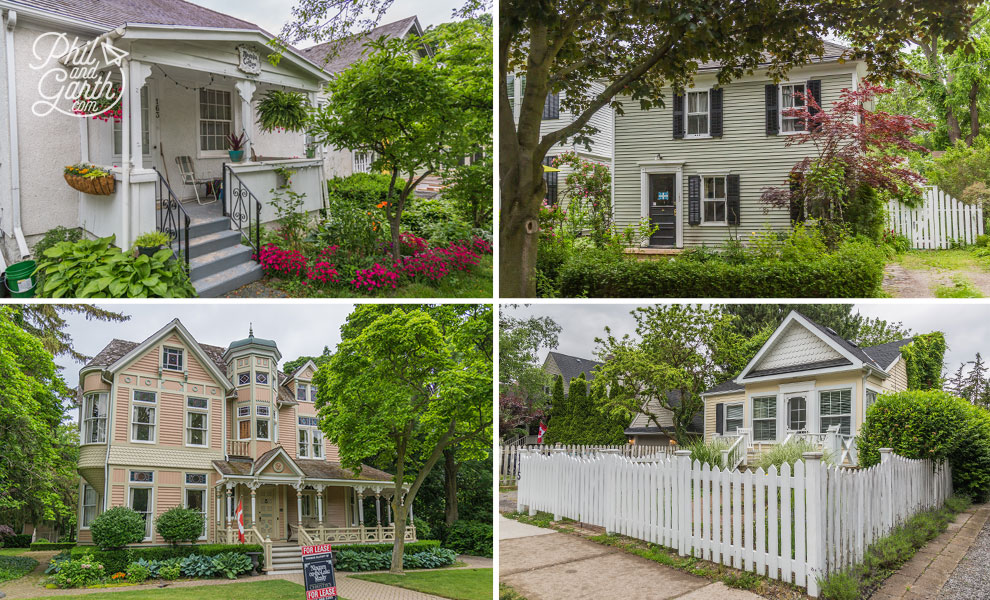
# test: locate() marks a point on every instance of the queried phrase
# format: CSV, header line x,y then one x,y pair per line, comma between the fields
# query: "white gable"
x,y
796,346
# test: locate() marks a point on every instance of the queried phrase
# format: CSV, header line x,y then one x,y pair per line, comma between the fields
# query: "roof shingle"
x,y
350,50
116,13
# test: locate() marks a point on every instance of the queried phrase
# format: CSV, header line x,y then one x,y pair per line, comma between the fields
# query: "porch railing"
x,y
330,535
238,202
171,217
236,448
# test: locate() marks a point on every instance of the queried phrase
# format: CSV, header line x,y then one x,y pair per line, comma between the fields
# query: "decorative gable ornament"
x,y
249,61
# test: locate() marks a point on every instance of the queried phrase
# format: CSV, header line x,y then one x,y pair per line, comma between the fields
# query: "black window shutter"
x,y
732,199
678,116
719,418
815,91
716,112
551,179
694,200
551,108
773,118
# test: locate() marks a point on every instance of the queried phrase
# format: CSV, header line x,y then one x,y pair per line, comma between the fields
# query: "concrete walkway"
x,y
348,587
924,575
541,564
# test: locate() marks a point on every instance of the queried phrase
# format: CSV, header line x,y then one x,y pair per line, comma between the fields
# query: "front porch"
x,y
742,450
183,91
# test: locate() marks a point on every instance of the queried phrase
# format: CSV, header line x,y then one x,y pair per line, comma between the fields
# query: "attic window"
x,y
172,359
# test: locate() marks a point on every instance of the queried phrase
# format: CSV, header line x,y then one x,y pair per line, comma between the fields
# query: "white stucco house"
x,y
190,75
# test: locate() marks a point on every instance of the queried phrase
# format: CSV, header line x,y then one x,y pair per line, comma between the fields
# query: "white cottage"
x,y
189,75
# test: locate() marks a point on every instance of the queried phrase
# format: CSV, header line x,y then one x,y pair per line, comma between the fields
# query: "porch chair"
x,y
189,177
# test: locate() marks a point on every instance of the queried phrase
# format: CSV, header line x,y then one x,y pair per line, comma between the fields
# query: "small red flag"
x,y
240,522
542,430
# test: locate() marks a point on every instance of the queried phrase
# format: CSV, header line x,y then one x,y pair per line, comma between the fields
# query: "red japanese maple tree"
x,y
855,147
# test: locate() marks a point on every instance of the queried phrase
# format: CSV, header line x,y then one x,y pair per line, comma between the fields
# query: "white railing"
x,y
735,454
509,455
796,525
939,221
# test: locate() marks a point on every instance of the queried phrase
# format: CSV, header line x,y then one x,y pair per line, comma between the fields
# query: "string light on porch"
x,y
176,82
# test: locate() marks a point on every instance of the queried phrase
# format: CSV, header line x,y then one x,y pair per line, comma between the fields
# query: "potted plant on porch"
x,y
283,111
89,179
235,144
149,243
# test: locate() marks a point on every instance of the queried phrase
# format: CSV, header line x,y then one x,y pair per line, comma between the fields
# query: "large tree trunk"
x,y
519,227
974,114
450,468
398,546
952,123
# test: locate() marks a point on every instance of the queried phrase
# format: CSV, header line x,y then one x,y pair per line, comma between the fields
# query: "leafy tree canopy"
x,y
519,343
678,352
290,366
409,382
47,323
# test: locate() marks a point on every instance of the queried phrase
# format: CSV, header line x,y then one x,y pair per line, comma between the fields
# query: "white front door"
x,y
797,412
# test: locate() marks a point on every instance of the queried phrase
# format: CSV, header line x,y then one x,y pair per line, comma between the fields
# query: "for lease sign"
x,y
318,572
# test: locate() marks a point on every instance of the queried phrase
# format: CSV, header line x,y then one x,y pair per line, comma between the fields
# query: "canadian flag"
x,y
540,432
240,522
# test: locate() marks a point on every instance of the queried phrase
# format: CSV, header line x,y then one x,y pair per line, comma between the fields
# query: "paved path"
x,y
546,565
509,529
348,587
928,571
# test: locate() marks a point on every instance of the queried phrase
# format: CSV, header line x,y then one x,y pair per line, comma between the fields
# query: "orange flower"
x,y
382,204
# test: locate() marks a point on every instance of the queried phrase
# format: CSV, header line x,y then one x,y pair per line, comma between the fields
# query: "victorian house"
x,y
172,422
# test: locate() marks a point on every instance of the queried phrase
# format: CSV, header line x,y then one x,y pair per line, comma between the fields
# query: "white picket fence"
x,y
509,455
796,526
939,221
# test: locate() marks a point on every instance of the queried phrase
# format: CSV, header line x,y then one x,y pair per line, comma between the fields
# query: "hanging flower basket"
x,y
89,179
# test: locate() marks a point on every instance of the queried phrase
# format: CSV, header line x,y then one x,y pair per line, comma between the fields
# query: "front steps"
x,y
218,262
285,559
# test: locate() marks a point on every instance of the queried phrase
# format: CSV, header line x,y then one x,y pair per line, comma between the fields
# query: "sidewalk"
x,y
541,564
928,571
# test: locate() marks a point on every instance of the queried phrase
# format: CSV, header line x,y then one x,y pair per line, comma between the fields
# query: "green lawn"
x,y
275,589
462,584
13,551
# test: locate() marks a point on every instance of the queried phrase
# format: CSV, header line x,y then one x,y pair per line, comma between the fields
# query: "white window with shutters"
x,y
792,96
697,111
714,200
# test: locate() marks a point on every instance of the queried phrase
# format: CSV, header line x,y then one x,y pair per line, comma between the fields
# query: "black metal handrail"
x,y
171,217
237,204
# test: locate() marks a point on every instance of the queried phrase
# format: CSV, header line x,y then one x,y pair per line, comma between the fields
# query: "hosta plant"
x,y
198,566
231,564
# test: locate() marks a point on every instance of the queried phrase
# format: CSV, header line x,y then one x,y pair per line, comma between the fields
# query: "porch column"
x,y
388,511
230,510
299,489
410,512
218,514
246,89
319,507
378,506
360,494
139,73
254,485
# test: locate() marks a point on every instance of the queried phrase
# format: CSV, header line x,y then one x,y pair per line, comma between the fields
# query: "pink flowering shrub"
x,y
460,257
375,278
481,245
412,243
281,263
322,272
431,264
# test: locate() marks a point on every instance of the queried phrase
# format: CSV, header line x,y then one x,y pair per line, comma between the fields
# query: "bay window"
x,y
95,418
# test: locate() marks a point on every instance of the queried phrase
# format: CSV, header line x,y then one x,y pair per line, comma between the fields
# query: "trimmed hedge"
x,y
471,537
117,560
855,270
52,545
410,548
18,540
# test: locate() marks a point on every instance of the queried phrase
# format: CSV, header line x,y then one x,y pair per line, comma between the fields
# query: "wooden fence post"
x,y
683,495
815,535
887,490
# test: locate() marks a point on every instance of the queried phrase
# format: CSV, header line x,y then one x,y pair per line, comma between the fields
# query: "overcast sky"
x,y
271,15
966,325
300,329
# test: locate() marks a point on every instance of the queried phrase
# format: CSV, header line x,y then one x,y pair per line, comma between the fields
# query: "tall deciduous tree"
x,y
47,323
38,451
642,49
408,111
410,382
519,371
679,352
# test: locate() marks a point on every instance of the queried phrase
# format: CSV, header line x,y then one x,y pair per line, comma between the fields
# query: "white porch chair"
x,y
188,174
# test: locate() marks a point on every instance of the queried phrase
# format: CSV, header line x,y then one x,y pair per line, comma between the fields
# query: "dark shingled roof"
x,y
832,52
821,364
725,387
885,354
350,50
111,14
572,366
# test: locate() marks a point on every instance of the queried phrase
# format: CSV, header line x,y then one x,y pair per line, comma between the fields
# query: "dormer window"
x,y
301,393
172,359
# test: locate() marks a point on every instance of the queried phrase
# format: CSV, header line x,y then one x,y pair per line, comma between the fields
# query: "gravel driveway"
x,y
971,579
